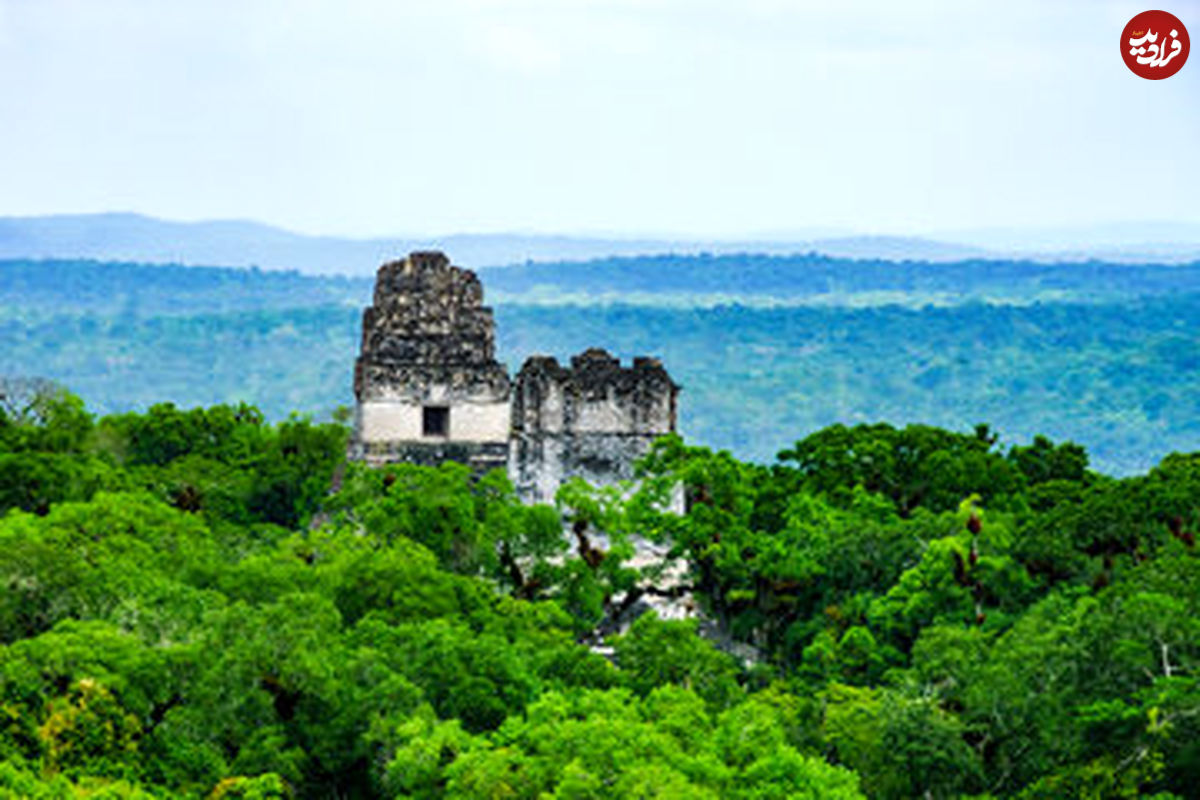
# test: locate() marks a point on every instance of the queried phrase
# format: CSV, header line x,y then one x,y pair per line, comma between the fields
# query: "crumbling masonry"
x,y
429,389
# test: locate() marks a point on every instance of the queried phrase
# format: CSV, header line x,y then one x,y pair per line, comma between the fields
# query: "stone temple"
x,y
429,389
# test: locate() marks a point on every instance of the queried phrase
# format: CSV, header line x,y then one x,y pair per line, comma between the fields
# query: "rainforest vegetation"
x,y
203,603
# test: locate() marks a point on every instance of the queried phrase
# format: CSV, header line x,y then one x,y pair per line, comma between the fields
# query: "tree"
x,y
654,653
89,733
916,467
901,747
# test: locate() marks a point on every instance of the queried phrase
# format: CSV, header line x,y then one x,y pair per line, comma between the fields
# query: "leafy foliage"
x,y
219,607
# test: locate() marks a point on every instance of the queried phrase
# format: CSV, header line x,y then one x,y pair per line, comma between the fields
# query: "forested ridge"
x,y
1101,354
791,278
203,603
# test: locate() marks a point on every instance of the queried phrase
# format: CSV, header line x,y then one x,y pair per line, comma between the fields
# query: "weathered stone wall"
x,y
478,455
427,311
428,340
402,421
590,420
594,395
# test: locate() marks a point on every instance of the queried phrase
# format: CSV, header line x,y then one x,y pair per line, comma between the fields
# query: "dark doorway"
x,y
435,421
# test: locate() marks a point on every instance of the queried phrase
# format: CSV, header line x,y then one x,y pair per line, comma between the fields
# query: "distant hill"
x,y
129,289
820,279
133,237
241,243
1142,241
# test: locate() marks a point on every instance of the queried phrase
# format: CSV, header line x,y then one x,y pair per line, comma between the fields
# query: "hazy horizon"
x,y
1114,233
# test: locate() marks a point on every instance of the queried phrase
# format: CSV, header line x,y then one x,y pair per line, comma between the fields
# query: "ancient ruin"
x,y
591,420
428,386
429,389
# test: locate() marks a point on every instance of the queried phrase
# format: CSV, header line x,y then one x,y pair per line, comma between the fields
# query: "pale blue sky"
x,y
676,117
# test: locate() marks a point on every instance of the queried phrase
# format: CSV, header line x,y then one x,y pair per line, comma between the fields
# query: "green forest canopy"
x,y
202,603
